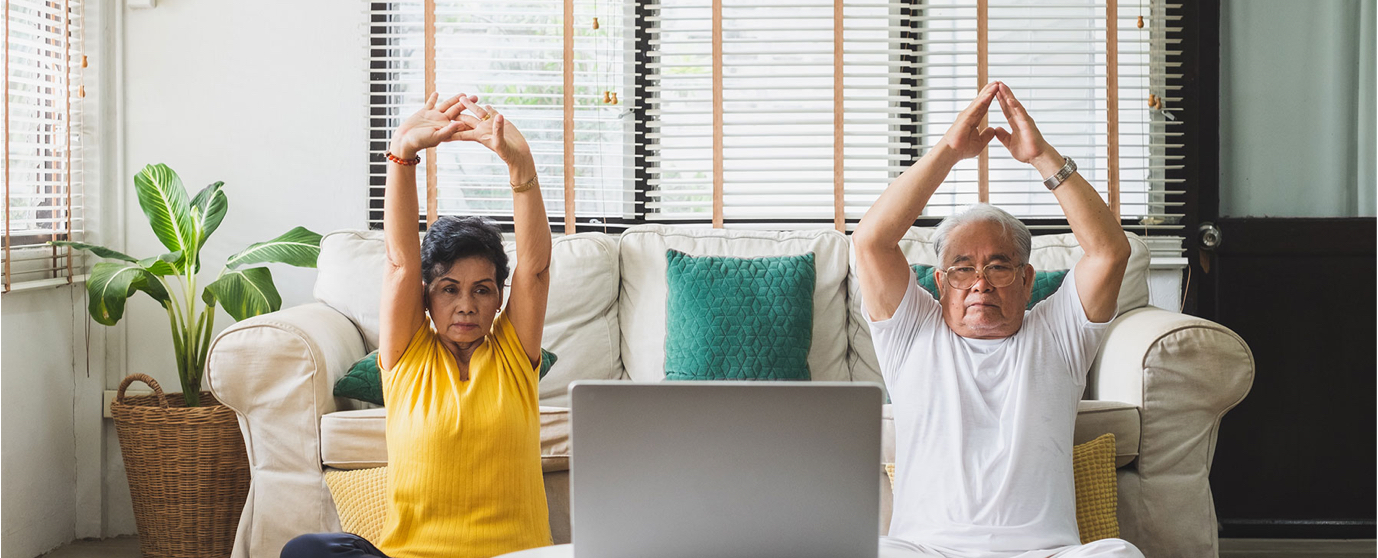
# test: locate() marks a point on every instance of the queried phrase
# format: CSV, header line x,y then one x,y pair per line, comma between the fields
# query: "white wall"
x,y
268,96
39,457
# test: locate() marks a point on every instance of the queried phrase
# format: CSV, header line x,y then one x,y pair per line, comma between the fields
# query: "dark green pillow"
x,y
364,381
1045,283
738,318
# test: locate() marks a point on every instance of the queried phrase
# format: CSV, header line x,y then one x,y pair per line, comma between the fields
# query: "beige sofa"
x,y
1161,383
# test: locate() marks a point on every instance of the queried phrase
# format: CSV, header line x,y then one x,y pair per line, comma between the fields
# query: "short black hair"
x,y
452,238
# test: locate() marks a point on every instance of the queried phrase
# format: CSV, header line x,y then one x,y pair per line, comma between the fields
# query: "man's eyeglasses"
x,y
997,275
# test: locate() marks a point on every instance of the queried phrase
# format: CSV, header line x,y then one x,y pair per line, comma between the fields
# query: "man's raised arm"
x,y
881,266
1098,231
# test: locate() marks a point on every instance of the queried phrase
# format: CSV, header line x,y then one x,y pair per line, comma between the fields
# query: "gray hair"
x,y
1014,228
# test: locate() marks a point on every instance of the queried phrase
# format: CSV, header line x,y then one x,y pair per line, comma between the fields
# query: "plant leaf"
x,y
213,205
164,265
298,247
97,250
209,298
246,293
110,284
164,201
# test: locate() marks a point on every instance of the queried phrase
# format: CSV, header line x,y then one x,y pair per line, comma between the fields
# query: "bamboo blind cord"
x,y
1112,105
432,181
7,148
982,77
839,207
569,115
717,116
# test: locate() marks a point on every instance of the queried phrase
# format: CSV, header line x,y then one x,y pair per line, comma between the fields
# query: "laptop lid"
x,y
725,469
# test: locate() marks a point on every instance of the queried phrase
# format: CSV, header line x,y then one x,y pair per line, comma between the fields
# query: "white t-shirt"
x,y
983,427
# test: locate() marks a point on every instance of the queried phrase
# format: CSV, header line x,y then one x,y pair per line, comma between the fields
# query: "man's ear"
x,y
940,283
1029,276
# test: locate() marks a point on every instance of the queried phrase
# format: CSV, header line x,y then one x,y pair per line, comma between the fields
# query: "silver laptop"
x,y
725,469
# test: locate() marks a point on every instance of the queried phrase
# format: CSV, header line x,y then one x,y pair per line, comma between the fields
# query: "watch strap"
x,y
1068,167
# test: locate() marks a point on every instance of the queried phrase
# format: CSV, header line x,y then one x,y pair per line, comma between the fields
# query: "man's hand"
x,y
1024,142
966,138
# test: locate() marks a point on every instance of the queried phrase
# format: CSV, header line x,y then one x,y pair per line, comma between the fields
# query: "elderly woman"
x,y
459,377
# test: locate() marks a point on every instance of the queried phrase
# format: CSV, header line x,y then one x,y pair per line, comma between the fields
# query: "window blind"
x,y
780,127
514,57
43,162
1054,57
908,67
741,122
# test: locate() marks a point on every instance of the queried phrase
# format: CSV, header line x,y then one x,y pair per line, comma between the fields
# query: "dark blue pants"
x,y
330,545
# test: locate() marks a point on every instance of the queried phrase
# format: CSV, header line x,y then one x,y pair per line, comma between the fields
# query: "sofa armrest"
x,y
1184,373
277,372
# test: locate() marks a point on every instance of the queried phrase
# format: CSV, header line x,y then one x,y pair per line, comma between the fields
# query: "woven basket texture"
x,y
187,469
361,498
1093,471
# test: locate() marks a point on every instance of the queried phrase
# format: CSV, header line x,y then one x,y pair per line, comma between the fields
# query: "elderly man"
x,y
985,394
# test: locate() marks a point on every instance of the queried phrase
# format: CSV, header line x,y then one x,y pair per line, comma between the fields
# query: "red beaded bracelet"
x,y
404,162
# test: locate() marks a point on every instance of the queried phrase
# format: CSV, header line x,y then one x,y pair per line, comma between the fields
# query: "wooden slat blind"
x,y
43,159
543,65
788,113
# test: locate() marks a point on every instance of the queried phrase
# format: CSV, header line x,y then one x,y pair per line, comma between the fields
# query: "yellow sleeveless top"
x,y
464,457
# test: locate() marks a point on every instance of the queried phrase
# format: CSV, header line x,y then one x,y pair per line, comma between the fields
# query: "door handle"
x,y
1210,235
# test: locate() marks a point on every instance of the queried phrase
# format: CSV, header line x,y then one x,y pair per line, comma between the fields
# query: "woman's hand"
x,y
436,123
966,138
492,130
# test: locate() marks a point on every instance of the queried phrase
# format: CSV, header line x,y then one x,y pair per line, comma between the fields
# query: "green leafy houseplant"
x,y
183,224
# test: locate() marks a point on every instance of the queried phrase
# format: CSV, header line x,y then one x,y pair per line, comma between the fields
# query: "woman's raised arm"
x,y
402,310
526,303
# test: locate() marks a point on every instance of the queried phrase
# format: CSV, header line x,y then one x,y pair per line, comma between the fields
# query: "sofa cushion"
x,y
1093,473
738,318
1049,252
644,291
581,313
357,439
1095,418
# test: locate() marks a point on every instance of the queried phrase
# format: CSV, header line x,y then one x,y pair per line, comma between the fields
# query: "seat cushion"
x,y
1095,418
357,440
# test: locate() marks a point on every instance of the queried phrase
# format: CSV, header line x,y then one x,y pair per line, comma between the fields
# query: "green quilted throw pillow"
x,y
1045,283
738,318
364,381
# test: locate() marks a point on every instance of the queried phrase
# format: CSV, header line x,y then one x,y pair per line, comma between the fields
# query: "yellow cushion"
x,y
1093,471
361,499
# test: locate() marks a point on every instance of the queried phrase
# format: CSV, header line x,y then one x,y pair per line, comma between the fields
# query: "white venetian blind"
x,y
1054,57
513,55
775,105
43,178
907,69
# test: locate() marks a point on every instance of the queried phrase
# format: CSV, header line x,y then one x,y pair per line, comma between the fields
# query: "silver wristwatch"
x,y
1068,167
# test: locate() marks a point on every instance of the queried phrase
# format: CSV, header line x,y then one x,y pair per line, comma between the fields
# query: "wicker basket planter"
x,y
188,472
